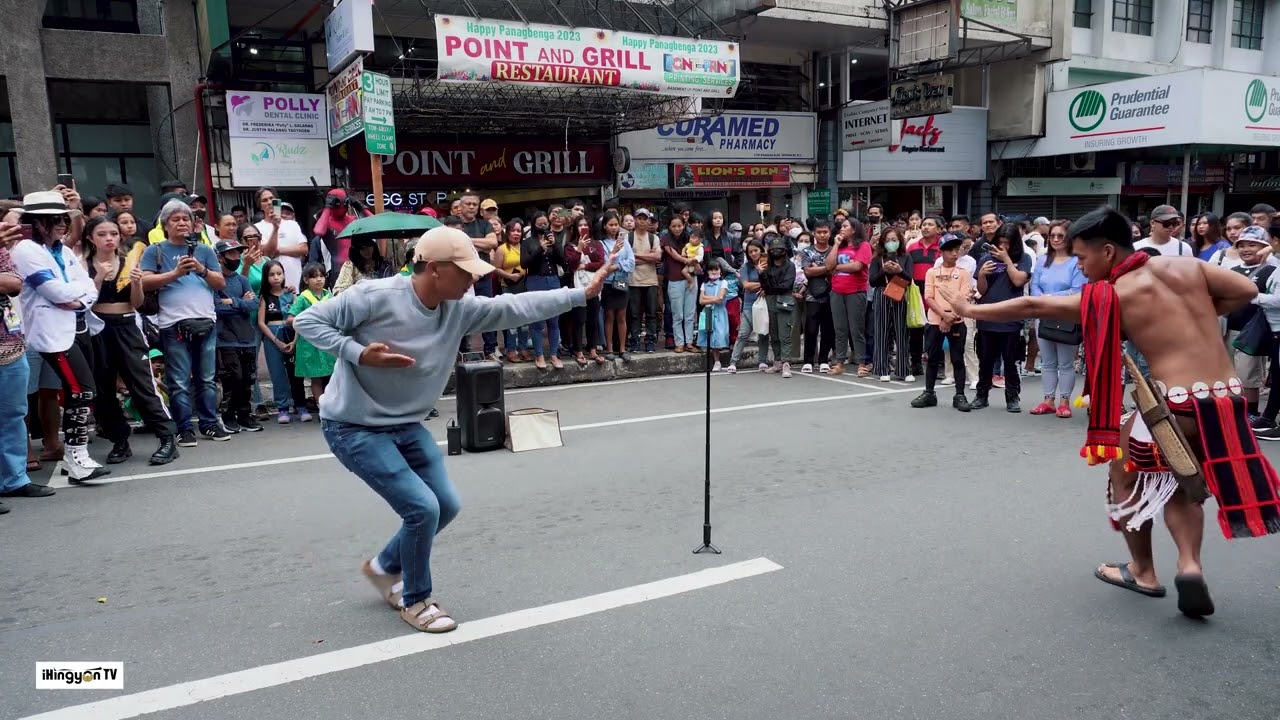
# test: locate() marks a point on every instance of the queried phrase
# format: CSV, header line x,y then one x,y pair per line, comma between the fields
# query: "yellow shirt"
x,y
156,235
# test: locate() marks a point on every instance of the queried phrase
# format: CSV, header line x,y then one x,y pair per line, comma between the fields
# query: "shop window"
x,y
1246,24
1199,21
1082,14
119,16
1132,16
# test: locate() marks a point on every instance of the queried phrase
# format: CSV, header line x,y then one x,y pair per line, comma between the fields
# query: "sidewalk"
x,y
662,362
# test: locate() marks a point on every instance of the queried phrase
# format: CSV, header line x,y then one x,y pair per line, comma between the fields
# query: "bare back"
x,y
1167,310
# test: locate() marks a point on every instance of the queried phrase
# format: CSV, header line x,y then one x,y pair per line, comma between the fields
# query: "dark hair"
x,y
171,185
1239,217
267,267
244,228
1011,232
86,241
1200,242
533,219
115,214
1274,231
753,242
821,223
575,201
902,244
451,221
511,225
1100,227
1263,208
1051,255
604,220
89,202
696,218
992,213
115,190
366,268
875,206
859,233
691,234
241,208
257,194
312,270
962,218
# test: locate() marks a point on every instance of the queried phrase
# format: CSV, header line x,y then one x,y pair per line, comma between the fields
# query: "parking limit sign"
x,y
378,112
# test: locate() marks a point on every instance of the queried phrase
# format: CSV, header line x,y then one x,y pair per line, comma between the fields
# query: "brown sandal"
x,y
384,584
420,617
513,358
34,465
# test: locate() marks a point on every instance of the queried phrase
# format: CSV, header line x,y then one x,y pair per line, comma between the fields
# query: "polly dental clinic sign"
x,y
734,137
1194,107
277,138
482,50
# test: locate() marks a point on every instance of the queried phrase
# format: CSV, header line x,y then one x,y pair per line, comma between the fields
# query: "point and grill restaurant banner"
x,y
483,50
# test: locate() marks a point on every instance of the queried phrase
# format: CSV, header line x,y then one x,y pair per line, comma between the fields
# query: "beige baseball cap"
x,y
446,244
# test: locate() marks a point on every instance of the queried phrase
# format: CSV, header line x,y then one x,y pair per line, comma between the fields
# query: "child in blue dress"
x,y
714,295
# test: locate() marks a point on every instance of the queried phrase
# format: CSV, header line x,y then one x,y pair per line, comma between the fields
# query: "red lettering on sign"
x,y
928,134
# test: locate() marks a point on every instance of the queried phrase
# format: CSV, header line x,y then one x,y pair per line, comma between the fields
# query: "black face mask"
x,y
777,254
231,265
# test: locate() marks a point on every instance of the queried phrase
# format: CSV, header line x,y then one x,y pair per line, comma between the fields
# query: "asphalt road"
x,y
932,565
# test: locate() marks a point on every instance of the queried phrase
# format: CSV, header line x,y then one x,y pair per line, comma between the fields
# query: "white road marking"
x,y
819,376
281,673
59,482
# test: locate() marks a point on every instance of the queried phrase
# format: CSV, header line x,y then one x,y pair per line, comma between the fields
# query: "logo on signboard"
x,y
261,153
1087,110
241,105
1255,101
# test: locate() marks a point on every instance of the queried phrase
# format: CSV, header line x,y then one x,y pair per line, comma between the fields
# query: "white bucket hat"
x,y
45,202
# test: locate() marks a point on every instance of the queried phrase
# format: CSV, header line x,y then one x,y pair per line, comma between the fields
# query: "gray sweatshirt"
x,y
388,311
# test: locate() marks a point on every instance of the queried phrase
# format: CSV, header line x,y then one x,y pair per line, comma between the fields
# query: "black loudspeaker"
x,y
482,411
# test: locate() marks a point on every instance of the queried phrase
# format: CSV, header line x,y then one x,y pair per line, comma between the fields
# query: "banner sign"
x,y
486,163
729,137
933,149
926,96
819,201
484,50
276,138
866,125
343,92
348,31
1038,187
1161,175
645,176
732,176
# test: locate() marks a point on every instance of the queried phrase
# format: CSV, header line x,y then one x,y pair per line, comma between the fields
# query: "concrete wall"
x,y
166,56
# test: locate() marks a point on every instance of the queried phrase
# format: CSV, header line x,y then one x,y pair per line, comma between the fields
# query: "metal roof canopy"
x,y
426,105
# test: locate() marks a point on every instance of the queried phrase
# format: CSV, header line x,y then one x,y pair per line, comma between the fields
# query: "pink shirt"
x,y
846,283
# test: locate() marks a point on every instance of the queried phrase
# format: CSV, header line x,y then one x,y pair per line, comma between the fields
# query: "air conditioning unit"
x,y
1083,162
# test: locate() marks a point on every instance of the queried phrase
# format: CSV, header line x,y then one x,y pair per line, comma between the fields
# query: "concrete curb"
x,y
526,375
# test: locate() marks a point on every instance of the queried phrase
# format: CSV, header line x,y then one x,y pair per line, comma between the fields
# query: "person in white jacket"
x,y
55,300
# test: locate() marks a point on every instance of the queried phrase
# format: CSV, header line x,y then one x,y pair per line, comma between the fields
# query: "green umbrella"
x,y
389,225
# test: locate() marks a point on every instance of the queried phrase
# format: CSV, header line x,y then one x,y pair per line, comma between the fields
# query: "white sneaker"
x,y
973,385
807,368
762,367
786,370
79,465
824,368
910,378
947,381
884,378
732,369
716,367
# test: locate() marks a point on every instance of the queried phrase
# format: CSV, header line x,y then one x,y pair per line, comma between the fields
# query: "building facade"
x,y
101,90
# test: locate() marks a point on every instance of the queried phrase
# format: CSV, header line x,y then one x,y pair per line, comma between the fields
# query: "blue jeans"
x,y
682,305
189,367
484,288
13,431
551,325
516,339
403,465
280,375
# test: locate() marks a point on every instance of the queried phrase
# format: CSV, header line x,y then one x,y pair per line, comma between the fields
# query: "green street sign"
x,y
820,202
378,113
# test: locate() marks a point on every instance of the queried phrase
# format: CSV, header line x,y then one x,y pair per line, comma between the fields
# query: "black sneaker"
x,y
187,438
926,399
230,425
215,433
1271,433
1261,423
978,403
1013,406
119,453
648,347
961,403
248,424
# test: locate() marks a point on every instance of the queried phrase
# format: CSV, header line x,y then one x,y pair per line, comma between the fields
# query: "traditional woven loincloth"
x,y
1238,475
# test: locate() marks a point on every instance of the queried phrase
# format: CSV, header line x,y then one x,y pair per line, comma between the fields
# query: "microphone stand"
x,y
706,546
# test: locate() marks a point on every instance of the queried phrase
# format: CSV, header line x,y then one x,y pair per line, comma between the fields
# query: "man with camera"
x,y
185,272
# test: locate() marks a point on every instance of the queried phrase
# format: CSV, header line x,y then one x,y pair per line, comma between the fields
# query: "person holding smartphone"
x,y
1003,273
542,255
283,239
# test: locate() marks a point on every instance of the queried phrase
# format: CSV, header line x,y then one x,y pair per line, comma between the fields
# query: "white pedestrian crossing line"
x,y
289,671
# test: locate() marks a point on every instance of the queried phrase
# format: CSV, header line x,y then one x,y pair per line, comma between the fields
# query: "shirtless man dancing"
x,y
1169,309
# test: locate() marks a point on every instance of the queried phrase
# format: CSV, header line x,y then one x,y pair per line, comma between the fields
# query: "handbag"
x,y
896,289
1256,339
151,298
1060,331
915,308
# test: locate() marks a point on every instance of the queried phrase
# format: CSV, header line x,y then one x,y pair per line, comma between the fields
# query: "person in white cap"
x,y
396,340
55,300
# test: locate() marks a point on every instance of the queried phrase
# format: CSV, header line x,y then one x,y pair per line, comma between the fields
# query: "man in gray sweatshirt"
x,y
396,340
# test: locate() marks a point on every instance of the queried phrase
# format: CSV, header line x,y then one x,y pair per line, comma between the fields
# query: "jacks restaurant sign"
x,y
487,163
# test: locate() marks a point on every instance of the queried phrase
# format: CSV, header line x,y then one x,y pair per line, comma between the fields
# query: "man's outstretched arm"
x,y
1052,307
